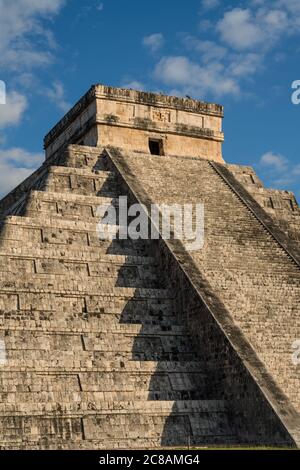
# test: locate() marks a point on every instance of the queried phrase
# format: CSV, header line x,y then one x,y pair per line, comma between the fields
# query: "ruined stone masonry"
x,y
143,344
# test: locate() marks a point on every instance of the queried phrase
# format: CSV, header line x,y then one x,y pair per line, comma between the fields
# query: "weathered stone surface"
x,y
248,270
128,119
281,205
140,344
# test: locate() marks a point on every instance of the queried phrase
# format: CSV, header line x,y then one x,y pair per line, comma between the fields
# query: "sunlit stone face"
x,y
132,120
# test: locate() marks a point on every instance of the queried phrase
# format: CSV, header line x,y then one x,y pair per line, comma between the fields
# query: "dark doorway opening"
x,y
156,147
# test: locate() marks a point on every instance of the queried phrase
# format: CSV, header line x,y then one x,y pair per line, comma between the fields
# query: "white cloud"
x,y
57,95
154,42
10,177
194,79
273,160
261,27
22,59
244,65
296,170
134,85
25,43
20,157
205,25
19,28
292,6
209,50
176,70
16,164
239,30
100,7
12,112
2,92
242,40
26,80
278,171
274,20
218,72
210,4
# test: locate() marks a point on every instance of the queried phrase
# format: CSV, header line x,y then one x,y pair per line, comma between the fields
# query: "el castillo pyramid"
x,y
109,344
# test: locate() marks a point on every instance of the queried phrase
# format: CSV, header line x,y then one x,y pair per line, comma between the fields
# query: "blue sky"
x,y
242,54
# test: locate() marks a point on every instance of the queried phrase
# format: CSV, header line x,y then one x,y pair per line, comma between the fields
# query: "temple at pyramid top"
x,y
140,121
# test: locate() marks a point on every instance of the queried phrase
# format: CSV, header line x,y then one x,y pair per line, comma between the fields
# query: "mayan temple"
x,y
128,344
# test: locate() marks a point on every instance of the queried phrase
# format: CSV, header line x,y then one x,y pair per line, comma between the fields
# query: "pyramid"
x,y
143,343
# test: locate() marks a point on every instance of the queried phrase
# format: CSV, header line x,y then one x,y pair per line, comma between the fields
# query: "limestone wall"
x,y
173,144
93,353
281,205
135,343
79,129
243,265
127,118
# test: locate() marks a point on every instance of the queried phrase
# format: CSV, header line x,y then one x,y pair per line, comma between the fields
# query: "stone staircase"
x,y
254,276
281,205
95,354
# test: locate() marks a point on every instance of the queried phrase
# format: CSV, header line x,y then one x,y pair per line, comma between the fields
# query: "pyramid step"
x,y
87,172
83,322
62,308
79,360
61,233
153,342
119,248
12,222
66,205
83,157
116,328
172,423
127,282
41,197
59,286
170,442
102,381
37,359
111,363
72,401
92,249
113,411
119,275
81,181
50,264
71,254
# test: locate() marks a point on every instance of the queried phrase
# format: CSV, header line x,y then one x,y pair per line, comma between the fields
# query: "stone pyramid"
x,y
128,344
